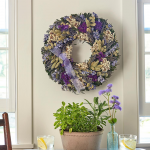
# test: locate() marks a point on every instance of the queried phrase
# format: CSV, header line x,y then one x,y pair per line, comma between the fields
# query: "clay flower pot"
x,y
81,140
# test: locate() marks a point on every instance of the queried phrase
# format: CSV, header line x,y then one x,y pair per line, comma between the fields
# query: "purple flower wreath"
x,y
57,52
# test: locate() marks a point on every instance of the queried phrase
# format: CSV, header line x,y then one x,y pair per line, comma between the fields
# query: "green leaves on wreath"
x,y
97,83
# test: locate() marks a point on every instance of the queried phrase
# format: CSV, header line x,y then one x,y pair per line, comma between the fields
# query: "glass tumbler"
x,y
45,142
127,142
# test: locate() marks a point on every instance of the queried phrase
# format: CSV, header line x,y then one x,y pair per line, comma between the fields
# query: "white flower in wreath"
x,y
53,36
108,36
82,66
68,51
105,65
73,22
83,37
96,46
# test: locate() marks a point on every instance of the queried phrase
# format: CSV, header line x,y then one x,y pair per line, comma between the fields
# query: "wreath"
x,y
57,52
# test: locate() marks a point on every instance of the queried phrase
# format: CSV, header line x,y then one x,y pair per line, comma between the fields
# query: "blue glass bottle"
x,y
112,139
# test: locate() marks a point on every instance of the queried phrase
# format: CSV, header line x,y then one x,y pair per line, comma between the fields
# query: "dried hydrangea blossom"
x,y
83,37
68,51
82,66
105,65
109,37
73,22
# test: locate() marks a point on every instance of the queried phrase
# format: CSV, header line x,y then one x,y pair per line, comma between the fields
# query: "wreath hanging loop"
x,y
57,52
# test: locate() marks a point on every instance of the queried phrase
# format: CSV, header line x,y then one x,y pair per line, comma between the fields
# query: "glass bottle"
x,y
112,138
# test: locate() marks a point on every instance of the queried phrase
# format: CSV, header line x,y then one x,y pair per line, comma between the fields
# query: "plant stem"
x,y
108,104
105,96
112,114
113,133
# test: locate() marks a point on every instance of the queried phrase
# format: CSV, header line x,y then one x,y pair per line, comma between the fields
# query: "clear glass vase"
x,y
112,138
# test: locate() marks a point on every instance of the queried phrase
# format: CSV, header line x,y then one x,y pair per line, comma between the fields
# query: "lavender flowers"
x,y
113,104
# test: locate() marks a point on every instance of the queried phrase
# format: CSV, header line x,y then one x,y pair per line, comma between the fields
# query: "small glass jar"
x,y
112,138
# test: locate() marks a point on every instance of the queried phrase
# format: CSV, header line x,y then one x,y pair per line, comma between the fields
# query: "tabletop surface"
x,y
100,149
106,149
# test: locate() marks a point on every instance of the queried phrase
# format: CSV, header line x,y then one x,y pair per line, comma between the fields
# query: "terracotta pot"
x,y
81,140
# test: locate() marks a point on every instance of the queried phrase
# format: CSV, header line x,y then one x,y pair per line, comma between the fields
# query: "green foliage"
x,y
72,117
112,121
97,83
87,15
77,118
96,114
112,31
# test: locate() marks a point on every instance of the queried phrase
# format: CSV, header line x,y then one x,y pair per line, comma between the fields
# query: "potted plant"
x,y
81,129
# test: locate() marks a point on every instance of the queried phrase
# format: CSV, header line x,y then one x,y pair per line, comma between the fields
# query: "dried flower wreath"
x,y
57,58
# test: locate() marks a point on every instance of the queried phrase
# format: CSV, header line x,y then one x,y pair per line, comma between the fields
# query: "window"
x,y
144,70
147,51
12,129
144,130
19,33
7,66
7,57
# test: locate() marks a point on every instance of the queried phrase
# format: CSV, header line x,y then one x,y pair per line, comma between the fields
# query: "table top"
x,y
100,149
106,149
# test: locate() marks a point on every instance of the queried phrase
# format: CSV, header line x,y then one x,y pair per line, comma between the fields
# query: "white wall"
x,y
47,95
130,67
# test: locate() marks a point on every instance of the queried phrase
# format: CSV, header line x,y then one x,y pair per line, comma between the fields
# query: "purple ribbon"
x,y
68,68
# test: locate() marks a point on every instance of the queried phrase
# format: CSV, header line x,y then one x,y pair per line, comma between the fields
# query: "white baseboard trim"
x,y
144,145
22,146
